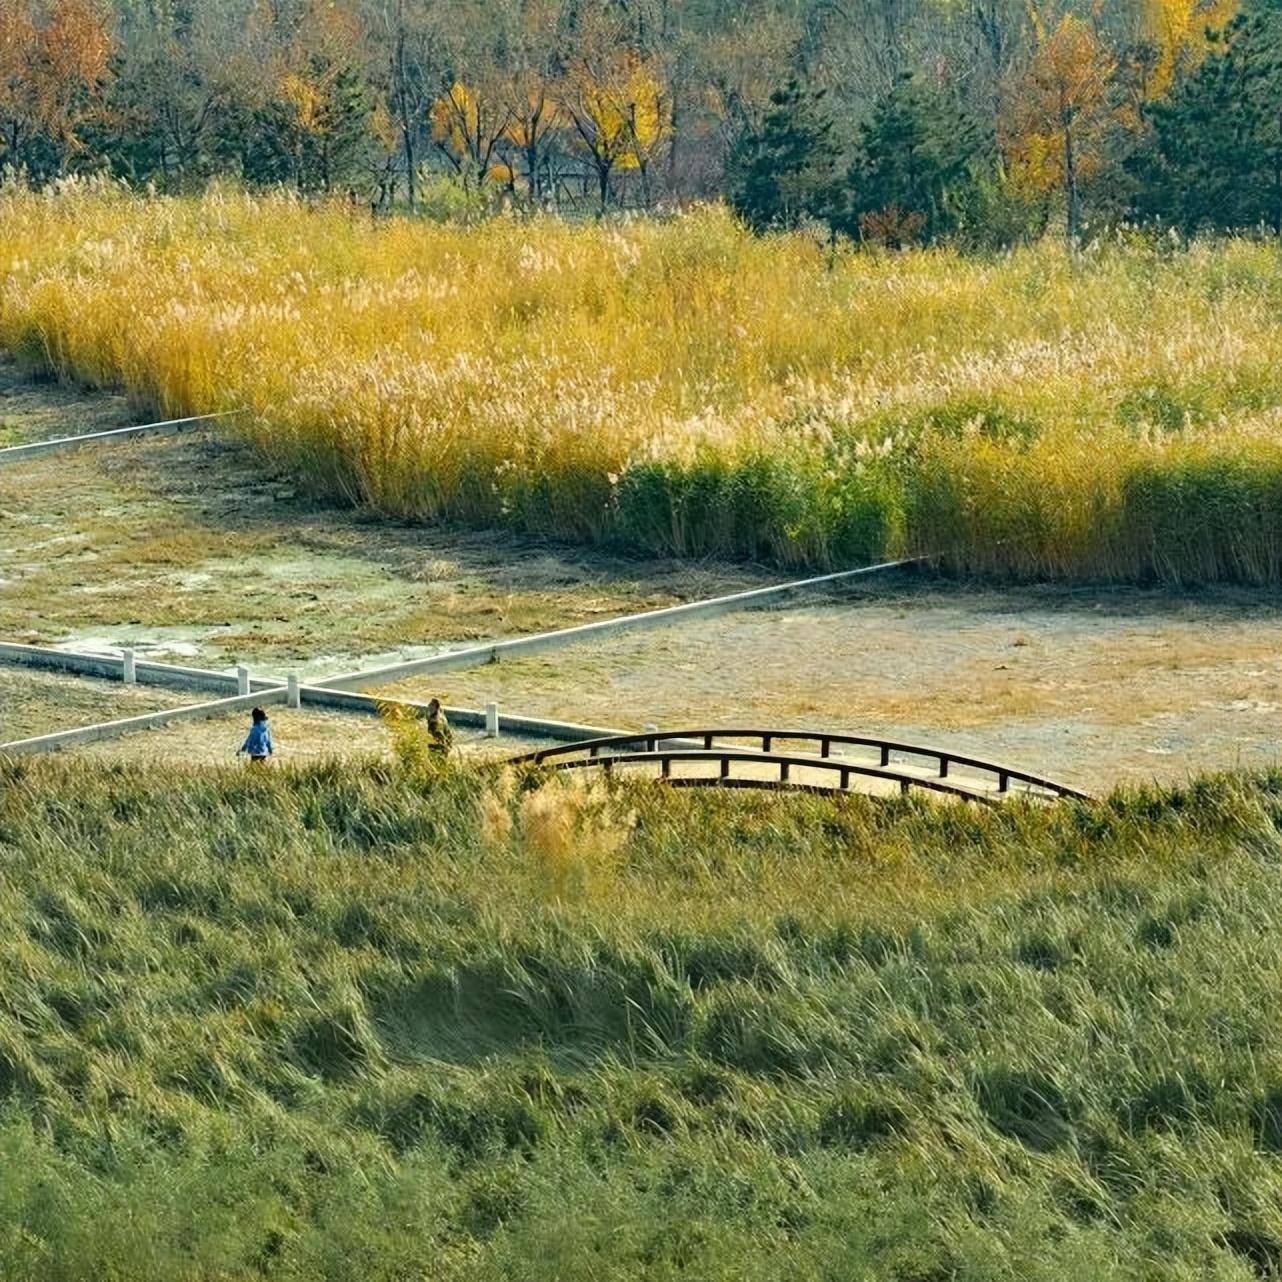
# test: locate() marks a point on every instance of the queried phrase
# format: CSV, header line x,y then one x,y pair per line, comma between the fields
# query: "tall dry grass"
x,y
685,387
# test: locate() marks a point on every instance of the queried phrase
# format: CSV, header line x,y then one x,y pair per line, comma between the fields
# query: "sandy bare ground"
x,y
186,549
1090,687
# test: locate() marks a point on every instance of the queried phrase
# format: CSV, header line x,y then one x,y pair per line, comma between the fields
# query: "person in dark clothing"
x,y
258,745
438,728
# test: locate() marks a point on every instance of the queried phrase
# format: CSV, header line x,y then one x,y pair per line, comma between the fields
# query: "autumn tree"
x,y
468,123
534,117
619,114
1058,114
54,68
1177,35
410,53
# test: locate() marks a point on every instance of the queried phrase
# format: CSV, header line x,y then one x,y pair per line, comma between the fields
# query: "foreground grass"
x,y
365,1023
683,387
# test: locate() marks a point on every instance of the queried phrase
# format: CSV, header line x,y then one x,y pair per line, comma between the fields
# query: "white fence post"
x,y
129,672
491,720
242,680
294,698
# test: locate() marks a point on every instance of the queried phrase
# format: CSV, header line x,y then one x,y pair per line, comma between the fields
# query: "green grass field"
x,y
380,1024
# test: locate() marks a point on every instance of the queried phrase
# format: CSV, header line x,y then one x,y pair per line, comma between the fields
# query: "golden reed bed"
x,y
682,386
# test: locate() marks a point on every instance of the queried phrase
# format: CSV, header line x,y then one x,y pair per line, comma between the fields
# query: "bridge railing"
x,y
654,741
724,758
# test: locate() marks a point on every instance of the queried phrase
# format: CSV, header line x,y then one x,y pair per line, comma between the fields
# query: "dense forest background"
x,y
892,121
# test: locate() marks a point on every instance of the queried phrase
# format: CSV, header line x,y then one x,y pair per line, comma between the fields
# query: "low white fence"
x,y
261,690
20,453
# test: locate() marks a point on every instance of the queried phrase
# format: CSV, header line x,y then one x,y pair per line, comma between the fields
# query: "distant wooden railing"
x,y
664,748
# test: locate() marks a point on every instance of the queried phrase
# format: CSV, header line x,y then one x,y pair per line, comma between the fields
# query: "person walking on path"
x,y
438,728
258,743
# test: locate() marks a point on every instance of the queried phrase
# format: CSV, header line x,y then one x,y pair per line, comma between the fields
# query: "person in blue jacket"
x,y
258,743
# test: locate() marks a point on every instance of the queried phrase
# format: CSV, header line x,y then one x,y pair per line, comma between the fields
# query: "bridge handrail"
x,y
652,738
723,756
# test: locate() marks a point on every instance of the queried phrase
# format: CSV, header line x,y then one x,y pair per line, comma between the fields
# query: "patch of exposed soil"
x,y
1093,687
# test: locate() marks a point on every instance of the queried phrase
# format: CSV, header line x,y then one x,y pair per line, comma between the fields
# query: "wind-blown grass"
x,y
685,387
385,1024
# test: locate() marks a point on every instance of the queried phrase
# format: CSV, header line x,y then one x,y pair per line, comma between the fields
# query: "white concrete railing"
x,y
269,690
18,453
132,725
517,647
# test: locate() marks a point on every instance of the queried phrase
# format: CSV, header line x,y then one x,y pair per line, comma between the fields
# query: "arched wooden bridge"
x,y
799,760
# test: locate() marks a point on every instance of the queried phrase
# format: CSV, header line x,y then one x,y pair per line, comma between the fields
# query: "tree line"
x,y
893,121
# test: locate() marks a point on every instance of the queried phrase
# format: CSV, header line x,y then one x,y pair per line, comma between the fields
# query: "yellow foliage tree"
x,y
468,126
534,115
620,115
1177,32
1059,108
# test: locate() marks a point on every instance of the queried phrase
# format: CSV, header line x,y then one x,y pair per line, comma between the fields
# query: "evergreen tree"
x,y
916,160
1215,157
786,170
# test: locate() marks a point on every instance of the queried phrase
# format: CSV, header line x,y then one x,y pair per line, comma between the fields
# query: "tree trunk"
x,y
532,171
411,189
1073,215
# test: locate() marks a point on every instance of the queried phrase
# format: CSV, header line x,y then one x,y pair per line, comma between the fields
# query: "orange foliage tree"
x,y
54,66
1060,106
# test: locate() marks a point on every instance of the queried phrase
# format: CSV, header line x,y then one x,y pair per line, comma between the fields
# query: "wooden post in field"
x,y
491,720
242,679
294,697
129,670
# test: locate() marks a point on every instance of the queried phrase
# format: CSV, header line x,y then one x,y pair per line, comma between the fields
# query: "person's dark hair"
x,y
259,715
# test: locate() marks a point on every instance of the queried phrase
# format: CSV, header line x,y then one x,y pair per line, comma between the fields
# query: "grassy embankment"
x,y
684,387
372,1024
